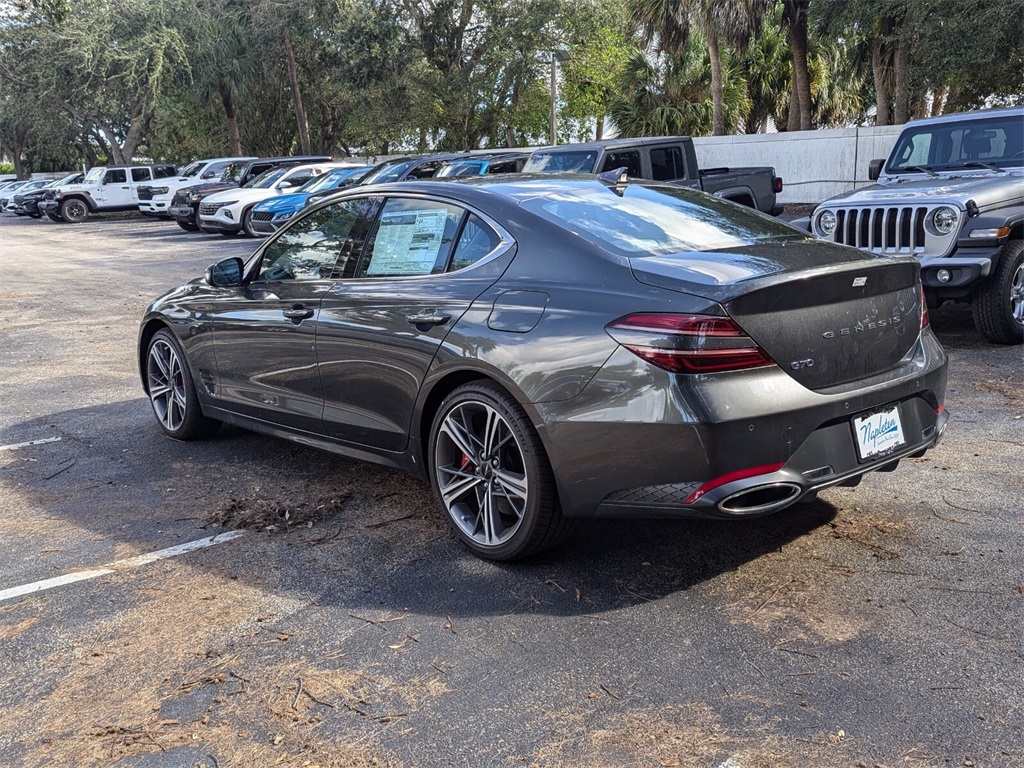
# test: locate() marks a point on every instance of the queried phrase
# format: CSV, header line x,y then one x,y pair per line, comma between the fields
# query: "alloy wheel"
x,y
166,385
481,474
1017,294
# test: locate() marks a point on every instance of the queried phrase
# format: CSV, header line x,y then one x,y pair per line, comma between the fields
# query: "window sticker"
x,y
408,242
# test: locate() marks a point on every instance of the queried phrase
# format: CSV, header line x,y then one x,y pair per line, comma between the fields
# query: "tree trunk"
x,y
883,98
938,101
510,137
801,78
599,131
229,112
901,111
793,117
717,95
300,110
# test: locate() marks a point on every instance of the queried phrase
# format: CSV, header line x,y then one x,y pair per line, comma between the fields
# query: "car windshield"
x,y
658,220
993,141
94,174
267,179
69,179
561,162
390,172
192,169
324,181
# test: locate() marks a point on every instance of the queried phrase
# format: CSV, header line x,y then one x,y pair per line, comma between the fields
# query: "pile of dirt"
x,y
276,515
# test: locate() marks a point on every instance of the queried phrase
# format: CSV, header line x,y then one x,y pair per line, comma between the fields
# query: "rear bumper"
x,y
636,443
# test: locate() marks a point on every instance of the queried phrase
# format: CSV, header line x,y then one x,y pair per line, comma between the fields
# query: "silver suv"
x,y
951,193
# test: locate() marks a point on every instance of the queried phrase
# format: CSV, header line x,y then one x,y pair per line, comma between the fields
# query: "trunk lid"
x,y
826,315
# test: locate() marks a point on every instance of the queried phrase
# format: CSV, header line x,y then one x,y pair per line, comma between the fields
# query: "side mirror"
x,y
226,273
208,175
875,169
285,184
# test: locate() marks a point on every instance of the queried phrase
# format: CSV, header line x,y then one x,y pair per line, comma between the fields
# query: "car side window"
x,y
628,160
310,249
411,237
140,174
115,176
215,170
476,241
667,164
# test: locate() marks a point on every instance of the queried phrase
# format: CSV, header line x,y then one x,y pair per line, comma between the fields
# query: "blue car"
x,y
273,213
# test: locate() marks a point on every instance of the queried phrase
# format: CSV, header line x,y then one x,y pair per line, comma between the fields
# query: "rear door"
x,y
425,261
139,176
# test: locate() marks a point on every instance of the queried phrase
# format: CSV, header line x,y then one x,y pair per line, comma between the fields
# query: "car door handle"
x,y
298,312
427,318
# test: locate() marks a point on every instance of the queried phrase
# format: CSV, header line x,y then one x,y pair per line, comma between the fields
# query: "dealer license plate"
x,y
878,433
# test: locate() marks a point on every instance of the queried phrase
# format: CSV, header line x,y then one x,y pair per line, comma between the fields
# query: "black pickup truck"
x,y
184,208
662,158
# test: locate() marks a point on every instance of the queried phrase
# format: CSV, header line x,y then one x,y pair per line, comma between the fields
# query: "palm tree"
x,y
794,15
667,94
228,60
665,24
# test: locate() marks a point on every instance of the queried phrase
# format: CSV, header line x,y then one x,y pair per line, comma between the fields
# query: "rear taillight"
x,y
925,320
777,184
688,343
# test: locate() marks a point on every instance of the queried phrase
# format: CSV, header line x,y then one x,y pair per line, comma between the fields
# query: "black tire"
x,y
247,223
172,392
54,217
35,215
74,210
490,479
188,226
999,304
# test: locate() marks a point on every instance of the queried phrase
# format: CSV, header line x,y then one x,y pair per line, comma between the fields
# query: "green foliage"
x,y
669,94
177,79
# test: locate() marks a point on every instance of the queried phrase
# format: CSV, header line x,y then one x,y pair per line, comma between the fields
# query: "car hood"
x,y
209,188
289,202
242,195
984,189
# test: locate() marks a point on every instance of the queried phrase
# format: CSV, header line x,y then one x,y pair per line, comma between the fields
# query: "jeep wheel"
x,y
999,304
74,211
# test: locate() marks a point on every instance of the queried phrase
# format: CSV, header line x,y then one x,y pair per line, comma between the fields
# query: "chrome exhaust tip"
x,y
761,499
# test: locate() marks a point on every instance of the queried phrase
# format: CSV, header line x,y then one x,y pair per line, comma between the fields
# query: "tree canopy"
x,y
116,80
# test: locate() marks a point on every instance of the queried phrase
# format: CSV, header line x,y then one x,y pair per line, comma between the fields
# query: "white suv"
x,y
105,188
230,212
155,198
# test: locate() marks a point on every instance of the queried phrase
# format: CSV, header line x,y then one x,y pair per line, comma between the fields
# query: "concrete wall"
x,y
814,165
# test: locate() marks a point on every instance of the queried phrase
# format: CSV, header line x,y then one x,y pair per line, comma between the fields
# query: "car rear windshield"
x,y
997,141
561,162
656,220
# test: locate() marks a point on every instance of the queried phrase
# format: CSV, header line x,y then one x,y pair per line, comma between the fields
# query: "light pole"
x,y
556,56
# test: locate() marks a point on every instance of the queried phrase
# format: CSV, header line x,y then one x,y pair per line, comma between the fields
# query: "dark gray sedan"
x,y
543,349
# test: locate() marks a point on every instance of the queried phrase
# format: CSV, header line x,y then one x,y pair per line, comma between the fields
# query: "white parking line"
x,y
16,446
118,565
